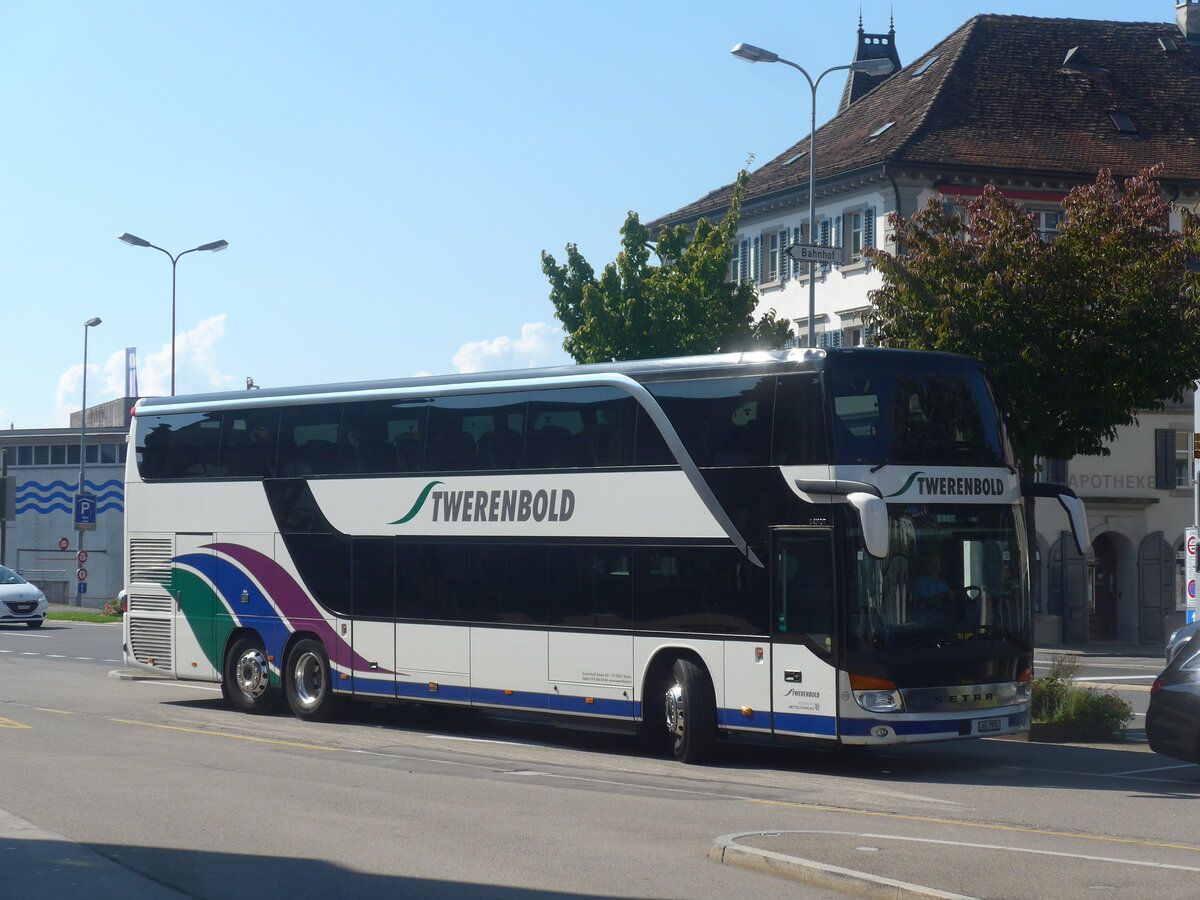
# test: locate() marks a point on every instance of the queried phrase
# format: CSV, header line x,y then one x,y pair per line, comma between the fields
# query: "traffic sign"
x,y
63,543
81,574
814,253
81,557
82,587
85,511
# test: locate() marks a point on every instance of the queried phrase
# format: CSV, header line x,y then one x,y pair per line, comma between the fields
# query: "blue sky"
x,y
386,173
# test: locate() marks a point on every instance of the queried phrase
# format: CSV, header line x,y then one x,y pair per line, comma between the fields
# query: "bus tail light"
x,y
876,694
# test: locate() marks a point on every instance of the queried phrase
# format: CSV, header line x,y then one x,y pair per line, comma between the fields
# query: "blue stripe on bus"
x,y
520,699
598,706
735,718
419,690
794,723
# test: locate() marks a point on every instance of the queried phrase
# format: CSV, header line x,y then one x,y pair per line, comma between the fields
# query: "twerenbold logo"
x,y
556,505
951,486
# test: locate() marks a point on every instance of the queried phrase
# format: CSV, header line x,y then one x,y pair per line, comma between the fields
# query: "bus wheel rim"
x,y
309,675
253,674
675,710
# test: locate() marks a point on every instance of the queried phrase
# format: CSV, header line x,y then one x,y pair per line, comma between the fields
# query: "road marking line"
x,y
1117,678
1156,769
61,712
165,683
9,723
56,656
1013,828
226,734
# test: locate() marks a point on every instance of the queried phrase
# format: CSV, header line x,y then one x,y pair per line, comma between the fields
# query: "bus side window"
x,y
800,437
308,440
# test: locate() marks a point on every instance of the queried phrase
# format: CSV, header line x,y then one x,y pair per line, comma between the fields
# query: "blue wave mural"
x,y
57,496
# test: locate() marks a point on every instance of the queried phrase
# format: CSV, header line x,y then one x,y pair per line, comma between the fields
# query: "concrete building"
x,y
41,543
1035,106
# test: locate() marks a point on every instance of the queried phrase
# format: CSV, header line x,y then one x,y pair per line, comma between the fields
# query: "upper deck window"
x,y
912,411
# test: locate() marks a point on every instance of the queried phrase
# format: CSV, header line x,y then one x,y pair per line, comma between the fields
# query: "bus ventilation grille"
x,y
150,642
150,560
161,605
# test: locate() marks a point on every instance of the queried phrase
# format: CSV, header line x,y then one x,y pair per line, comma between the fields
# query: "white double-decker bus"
x,y
811,544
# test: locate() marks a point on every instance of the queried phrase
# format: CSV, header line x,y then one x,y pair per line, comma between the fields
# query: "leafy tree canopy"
x,y
1078,333
681,306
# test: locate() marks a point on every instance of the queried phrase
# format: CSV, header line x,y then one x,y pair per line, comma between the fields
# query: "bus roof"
x,y
750,362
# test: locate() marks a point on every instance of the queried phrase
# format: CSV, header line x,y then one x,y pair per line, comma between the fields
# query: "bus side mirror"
x,y
873,516
1070,503
1078,516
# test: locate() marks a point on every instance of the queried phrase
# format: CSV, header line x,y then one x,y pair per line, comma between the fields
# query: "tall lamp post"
x,y
135,241
90,323
874,67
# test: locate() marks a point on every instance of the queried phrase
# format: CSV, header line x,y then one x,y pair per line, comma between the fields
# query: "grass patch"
x,y
1086,714
83,617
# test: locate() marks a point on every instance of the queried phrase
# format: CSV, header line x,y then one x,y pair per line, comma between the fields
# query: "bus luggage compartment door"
x,y
803,630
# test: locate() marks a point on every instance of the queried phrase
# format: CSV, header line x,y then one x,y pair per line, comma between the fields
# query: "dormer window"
x,y
925,65
880,130
1124,124
799,156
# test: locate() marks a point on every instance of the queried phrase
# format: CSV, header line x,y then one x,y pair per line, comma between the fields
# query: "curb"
x,y
727,850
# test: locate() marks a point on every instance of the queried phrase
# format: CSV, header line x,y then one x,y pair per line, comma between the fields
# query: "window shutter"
x,y
826,224
868,227
784,259
758,260
839,238
797,266
744,261
1164,451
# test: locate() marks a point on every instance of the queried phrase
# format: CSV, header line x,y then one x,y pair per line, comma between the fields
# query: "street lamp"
x,y
135,241
90,323
874,67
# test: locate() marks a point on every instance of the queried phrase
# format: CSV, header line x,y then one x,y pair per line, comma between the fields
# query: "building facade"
x,y
1034,106
41,542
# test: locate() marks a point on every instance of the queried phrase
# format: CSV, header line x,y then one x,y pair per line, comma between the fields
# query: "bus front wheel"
x,y
691,712
308,681
246,680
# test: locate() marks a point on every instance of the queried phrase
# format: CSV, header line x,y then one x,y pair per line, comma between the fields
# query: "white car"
x,y
20,601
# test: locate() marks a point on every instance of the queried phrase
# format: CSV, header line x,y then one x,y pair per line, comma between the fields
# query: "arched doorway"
x,y
1102,604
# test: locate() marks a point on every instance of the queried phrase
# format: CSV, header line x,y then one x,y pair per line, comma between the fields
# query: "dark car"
x,y
1173,719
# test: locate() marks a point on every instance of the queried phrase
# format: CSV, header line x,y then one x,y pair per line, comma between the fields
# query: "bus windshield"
x,y
931,415
954,575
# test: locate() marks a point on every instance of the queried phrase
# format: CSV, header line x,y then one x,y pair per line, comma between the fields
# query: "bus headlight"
x,y
876,694
1025,686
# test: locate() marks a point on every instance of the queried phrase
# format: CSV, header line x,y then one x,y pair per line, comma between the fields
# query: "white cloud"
x,y
539,344
195,369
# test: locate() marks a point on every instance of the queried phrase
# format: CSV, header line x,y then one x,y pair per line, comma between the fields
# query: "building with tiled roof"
x,y
1034,106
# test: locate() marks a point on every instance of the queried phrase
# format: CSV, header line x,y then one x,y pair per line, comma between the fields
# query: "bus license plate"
x,y
988,725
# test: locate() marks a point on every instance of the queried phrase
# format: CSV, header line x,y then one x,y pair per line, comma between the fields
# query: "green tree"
x,y
1078,333
681,306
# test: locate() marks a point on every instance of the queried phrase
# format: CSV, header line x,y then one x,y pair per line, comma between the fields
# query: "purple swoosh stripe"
x,y
292,600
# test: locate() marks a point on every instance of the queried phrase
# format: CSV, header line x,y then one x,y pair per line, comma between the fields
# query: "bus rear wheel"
x,y
691,712
308,682
246,680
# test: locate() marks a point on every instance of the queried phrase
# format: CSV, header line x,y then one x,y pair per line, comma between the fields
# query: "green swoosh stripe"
x,y
907,484
416,507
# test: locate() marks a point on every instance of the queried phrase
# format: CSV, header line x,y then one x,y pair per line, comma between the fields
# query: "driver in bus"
x,y
933,596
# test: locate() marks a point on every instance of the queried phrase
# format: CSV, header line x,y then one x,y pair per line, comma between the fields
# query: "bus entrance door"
x,y
803,677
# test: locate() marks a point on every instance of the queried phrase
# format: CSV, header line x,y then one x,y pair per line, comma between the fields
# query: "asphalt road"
x,y
157,789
